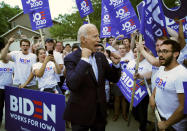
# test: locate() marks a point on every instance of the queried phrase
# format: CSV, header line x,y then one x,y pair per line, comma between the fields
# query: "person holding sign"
x,y
168,94
86,72
140,111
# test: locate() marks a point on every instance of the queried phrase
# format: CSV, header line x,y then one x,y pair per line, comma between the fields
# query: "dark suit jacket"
x,y
86,91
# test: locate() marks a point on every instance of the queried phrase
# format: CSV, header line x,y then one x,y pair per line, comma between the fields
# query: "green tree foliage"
x,y
68,27
71,23
6,12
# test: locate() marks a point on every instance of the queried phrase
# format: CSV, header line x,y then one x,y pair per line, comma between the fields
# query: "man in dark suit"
x,y
85,76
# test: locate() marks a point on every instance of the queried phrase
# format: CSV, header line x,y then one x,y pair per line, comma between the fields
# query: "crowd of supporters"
x,y
42,68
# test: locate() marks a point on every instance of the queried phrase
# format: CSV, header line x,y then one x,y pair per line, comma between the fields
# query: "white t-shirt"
x,y
144,66
48,80
128,56
58,57
168,84
6,72
183,55
154,71
59,61
23,64
109,61
110,48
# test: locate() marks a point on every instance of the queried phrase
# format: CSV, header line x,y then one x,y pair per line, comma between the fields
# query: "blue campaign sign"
x,y
107,44
108,26
139,8
172,24
123,65
85,7
30,110
31,5
123,15
64,86
126,86
41,19
185,93
169,22
153,24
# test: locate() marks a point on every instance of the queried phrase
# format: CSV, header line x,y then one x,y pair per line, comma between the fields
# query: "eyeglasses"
x,y
164,51
99,49
25,45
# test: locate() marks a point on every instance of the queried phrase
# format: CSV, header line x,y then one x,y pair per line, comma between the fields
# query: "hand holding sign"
x,y
162,125
152,102
140,46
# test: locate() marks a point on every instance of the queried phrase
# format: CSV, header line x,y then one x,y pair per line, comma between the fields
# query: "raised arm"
x,y
172,33
57,68
39,72
181,38
150,58
114,42
4,53
133,36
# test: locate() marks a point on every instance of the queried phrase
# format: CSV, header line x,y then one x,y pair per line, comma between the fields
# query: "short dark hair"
x,y
25,40
107,40
108,52
127,39
175,45
74,46
37,52
101,45
2,44
48,40
67,45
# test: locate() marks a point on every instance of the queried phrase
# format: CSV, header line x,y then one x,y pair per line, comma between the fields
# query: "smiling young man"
x,y
23,61
85,77
168,95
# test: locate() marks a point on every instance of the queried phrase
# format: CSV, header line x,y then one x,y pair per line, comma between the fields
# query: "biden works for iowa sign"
x,y
30,110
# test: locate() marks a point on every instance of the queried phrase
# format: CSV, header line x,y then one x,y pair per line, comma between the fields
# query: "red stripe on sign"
x,y
137,86
39,103
164,31
43,18
37,116
39,110
41,12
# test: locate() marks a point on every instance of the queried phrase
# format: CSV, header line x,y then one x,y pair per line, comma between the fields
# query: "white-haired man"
x,y
85,76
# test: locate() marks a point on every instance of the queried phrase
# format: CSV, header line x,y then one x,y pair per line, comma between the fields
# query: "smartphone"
x,y
50,52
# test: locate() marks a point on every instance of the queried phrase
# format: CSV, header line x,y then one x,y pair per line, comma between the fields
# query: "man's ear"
x,y
176,54
83,39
